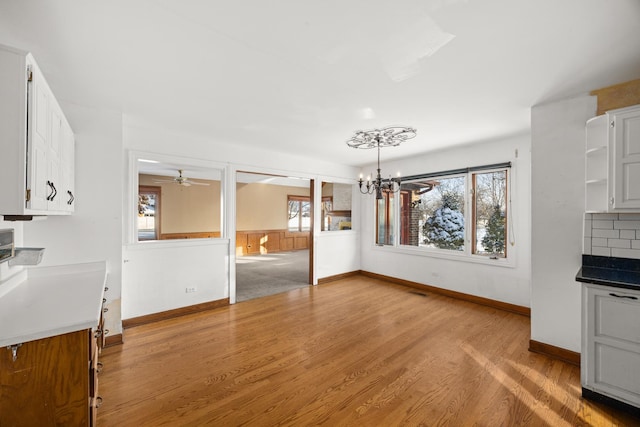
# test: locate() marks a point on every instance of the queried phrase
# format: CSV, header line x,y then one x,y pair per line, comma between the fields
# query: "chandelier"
x,y
378,138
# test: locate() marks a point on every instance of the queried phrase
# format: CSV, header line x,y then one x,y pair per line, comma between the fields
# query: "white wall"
x,y
506,284
156,275
557,197
93,232
337,252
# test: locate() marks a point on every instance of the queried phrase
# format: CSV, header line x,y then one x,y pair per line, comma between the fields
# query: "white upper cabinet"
x,y
625,134
612,161
36,141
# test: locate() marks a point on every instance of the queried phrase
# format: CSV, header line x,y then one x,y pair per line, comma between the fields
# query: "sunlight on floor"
x,y
542,410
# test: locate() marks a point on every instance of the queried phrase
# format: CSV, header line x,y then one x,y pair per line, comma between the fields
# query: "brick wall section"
x,y
613,235
414,227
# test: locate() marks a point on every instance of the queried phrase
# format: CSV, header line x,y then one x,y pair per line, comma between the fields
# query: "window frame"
x,y
156,190
300,200
217,171
468,254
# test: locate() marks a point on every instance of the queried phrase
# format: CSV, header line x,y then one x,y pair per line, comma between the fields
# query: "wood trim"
x,y
111,340
339,213
338,277
617,96
512,308
281,240
190,235
170,314
310,238
555,352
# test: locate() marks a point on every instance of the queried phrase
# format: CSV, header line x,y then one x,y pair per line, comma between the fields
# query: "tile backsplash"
x,y
612,234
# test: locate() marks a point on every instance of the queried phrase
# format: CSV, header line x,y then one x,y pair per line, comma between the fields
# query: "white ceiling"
x,y
301,76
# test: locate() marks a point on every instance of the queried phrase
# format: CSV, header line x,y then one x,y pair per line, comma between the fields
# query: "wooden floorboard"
x,y
353,352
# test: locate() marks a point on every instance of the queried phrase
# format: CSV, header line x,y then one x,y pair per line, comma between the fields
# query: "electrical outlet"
x,y
190,289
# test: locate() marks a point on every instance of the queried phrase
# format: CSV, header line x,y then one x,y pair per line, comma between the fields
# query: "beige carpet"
x,y
261,275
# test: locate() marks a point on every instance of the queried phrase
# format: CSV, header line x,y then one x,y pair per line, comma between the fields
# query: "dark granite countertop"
x,y
610,271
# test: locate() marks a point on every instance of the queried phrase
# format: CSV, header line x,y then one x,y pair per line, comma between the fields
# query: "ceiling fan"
x,y
180,180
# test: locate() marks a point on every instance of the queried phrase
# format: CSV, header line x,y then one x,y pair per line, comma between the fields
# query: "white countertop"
x,y
48,301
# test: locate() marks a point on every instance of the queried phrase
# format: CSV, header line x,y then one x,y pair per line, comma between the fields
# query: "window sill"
x,y
175,243
461,257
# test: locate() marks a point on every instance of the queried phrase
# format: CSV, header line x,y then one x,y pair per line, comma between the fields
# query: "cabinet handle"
x,y
104,310
71,197
55,191
98,401
623,296
50,188
99,367
98,333
106,288
14,350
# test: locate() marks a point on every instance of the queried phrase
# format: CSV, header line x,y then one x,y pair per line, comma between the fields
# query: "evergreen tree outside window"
x,y
444,228
490,213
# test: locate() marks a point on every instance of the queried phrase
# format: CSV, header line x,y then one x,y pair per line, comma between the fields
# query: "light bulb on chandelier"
x,y
378,138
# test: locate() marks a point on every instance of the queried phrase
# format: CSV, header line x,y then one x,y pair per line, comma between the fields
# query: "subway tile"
x,y
587,228
607,216
619,243
586,247
625,253
626,225
598,251
635,244
629,217
609,234
598,241
605,224
626,234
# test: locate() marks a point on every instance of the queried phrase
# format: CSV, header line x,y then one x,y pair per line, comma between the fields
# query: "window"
x,y
299,213
148,213
336,206
384,219
177,198
490,213
463,212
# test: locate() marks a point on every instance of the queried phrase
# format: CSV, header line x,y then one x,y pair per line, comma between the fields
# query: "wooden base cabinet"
x,y
611,343
50,382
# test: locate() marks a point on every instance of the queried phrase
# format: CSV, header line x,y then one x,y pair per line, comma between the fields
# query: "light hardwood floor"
x,y
355,352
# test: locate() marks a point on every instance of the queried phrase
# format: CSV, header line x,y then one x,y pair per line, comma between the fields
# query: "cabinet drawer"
x,y
615,313
617,373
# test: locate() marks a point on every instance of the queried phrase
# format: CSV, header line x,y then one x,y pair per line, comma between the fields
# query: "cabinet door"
x,y
54,173
48,382
67,155
625,135
38,142
611,343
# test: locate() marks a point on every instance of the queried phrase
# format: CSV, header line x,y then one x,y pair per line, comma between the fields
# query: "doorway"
x,y
274,234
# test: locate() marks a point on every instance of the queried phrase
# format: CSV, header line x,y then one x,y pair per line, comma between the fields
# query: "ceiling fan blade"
x,y
197,183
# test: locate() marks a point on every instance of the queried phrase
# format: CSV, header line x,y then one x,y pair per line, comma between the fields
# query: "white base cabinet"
x,y
610,356
36,141
612,161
